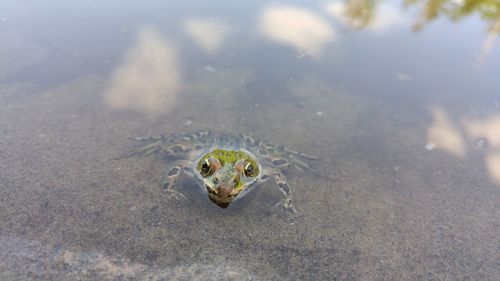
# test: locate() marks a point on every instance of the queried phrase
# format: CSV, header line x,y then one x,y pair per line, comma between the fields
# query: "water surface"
x,y
400,101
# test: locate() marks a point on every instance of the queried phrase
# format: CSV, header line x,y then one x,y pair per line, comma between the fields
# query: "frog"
x,y
227,167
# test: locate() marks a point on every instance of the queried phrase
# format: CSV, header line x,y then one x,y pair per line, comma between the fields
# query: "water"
x,y
403,109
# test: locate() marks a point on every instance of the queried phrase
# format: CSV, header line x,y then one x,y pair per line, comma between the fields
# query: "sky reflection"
x,y
148,80
208,33
296,27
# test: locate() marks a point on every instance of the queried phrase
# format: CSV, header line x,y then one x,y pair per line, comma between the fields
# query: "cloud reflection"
x,y
365,14
493,164
148,80
296,27
209,34
483,133
489,131
444,135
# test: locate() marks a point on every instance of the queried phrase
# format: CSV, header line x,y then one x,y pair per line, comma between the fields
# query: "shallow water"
x,y
403,111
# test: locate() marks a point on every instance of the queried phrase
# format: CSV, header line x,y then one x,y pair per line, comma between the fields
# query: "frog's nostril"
x,y
212,190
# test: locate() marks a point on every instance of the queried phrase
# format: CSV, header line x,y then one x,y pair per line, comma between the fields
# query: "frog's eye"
x,y
206,168
249,170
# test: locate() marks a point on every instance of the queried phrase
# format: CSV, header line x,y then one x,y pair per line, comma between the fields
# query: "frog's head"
x,y
227,174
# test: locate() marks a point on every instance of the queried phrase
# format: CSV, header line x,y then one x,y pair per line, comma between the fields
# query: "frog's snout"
x,y
224,191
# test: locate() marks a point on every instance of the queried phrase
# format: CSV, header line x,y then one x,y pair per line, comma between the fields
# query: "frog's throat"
x,y
221,204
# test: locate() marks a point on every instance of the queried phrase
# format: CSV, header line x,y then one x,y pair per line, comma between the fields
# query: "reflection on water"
x,y
208,34
378,16
485,128
443,134
408,133
493,164
297,27
19,53
479,134
489,41
366,14
148,80
487,132
488,10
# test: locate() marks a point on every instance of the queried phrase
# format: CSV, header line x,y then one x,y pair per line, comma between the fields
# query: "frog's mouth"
x,y
222,197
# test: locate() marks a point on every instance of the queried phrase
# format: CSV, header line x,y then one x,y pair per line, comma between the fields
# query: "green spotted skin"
x,y
226,167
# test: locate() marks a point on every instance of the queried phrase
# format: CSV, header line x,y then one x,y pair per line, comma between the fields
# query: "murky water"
x,y
401,101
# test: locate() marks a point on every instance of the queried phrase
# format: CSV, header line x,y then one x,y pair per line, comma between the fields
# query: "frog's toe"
x,y
287,205
172,193
168,188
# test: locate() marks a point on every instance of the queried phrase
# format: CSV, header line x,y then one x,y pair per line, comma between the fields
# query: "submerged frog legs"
x,y
170,179
286,202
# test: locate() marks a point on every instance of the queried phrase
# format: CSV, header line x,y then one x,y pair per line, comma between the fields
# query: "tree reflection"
x,y
366,14
488,10
362,13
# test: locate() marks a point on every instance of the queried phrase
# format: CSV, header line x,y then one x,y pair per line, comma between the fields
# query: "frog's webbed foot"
x,y
168,185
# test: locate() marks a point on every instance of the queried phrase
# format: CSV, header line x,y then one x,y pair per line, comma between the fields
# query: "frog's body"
x,y
226,167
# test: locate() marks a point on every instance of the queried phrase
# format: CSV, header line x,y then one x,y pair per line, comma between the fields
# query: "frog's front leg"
x,y
170,179
286,202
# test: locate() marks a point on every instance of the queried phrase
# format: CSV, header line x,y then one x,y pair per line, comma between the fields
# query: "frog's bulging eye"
x,y
249,170
206,168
